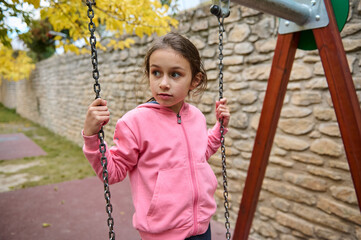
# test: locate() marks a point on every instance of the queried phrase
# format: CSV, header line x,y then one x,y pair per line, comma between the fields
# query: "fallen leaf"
x,y
45,225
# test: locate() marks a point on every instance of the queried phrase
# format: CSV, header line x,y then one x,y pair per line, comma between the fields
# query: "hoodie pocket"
x,y
207,187
171,204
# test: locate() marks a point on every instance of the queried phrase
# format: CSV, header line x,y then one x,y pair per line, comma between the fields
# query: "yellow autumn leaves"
x,y
113,18
14,65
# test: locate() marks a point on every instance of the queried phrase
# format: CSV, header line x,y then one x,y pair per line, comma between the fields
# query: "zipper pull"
x,y
179,120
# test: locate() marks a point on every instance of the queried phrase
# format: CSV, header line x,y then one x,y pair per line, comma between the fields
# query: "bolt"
x,y
313,2
287,23
318,17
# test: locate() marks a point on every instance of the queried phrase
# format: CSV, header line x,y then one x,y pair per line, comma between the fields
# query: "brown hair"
x,y
185,48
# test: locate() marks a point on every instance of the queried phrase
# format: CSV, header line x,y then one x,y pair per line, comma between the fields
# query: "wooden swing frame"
x,y
344,98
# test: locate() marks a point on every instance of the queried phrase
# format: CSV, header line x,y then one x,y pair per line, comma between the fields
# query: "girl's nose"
x,y
164,83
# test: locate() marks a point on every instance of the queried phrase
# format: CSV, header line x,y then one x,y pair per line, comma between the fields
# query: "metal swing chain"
x,y
102,146
223,148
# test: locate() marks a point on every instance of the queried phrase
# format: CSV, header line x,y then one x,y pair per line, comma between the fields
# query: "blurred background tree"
x,y
39,40
64,25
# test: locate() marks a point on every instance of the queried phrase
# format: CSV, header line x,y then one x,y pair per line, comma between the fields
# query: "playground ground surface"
x,y
71,210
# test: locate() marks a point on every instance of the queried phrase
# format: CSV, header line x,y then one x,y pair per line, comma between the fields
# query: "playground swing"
x,y
221,11
306,25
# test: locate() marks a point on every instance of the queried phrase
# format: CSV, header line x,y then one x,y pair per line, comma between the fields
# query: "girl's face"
x,y
170,78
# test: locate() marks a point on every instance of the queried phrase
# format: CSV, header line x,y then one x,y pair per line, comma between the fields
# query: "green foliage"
x,y
38,39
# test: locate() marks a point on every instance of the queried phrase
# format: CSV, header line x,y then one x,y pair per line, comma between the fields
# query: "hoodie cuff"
x,y
92,142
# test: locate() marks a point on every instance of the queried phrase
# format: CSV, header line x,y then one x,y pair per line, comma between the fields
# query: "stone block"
x,y
233,60
330,129
202,24
325,233
322,172
339,164
351,44
344,193
198,42
288,192
274,173
296,126
306,181
295,223
243,145
306,98
317,83
260,72
266,46
240,164
265,229
307,158
250,109
324,114
281,204
247,97
257,59
239,120
239,33
265,28
319,217
291,143
255,121
259,86
294,86
325,146
284,162
238,86
243,48
341,210
358,229
295,112
208,53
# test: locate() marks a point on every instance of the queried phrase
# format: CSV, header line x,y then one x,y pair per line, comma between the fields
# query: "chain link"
x,y
102,146
223,148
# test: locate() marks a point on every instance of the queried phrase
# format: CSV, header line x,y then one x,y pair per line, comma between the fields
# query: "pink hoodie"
x,y
166,156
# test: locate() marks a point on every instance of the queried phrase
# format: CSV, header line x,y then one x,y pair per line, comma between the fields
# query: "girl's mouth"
x,y
164,96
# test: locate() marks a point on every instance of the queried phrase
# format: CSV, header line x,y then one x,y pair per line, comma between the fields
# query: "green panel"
x,y
341,10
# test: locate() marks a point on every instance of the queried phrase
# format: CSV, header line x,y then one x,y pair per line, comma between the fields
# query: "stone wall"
x,y
307,192
8,93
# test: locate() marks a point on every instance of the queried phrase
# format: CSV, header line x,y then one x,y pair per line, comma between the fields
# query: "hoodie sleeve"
x,y
214,139
121,158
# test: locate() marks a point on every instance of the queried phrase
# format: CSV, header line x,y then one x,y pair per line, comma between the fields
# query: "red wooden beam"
x,y
343,94
277,85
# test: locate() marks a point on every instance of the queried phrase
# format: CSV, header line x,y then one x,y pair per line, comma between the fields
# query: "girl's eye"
x,y
175,75
156,73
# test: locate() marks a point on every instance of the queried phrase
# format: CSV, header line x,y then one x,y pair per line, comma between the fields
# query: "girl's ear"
x,y
196,80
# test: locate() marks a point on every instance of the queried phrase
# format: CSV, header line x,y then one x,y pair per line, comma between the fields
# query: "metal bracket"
x,y
220,8
318,18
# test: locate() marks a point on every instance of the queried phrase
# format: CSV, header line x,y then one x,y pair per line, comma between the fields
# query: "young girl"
x,y
164,145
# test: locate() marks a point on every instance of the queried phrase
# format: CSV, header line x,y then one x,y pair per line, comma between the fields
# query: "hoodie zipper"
x,y
193,176
179,119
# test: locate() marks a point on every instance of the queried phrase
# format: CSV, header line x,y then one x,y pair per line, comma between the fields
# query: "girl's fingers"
x,y
98,102
103,120
101,112
222,111
223,101
97,116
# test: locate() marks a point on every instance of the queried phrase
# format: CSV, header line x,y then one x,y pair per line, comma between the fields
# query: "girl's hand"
x,y
96,117
222,111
